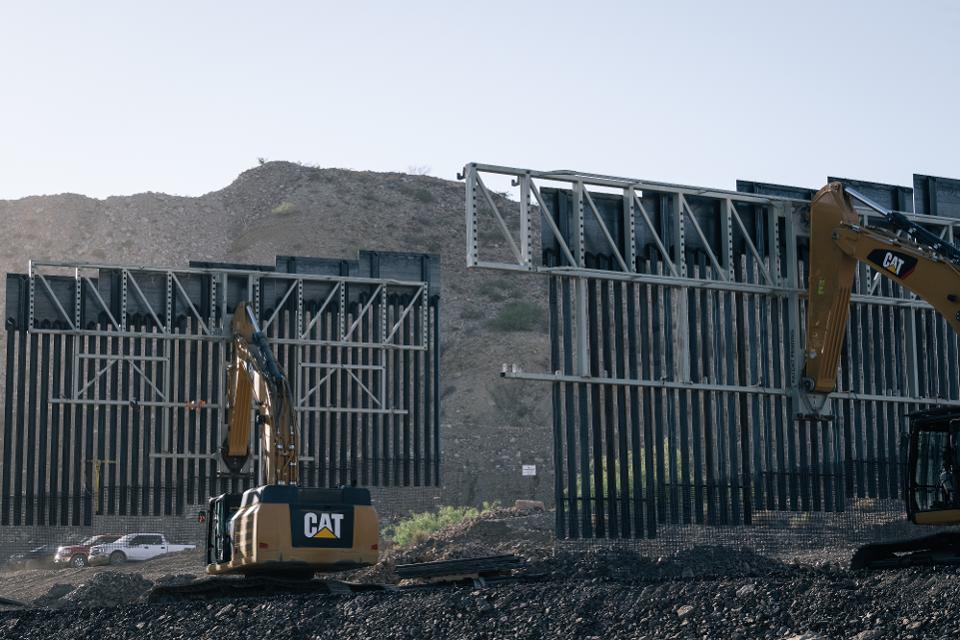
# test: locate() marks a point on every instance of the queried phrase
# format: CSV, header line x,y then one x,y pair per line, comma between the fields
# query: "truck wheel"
x,y
79,561
118,557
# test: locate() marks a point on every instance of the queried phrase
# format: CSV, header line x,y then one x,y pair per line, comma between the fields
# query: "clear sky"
x,y
108,98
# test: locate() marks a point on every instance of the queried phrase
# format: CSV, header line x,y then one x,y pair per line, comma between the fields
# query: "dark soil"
x,y
702,592
595,595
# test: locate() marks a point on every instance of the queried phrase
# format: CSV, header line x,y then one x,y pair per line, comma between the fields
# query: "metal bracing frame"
x,y
676,325
212,329
786,213
218,278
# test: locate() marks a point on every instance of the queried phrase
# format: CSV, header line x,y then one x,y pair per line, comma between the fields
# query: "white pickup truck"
x,y
134,547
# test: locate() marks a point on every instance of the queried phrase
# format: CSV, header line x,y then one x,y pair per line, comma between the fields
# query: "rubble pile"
x,y
602,592
605,595
104,589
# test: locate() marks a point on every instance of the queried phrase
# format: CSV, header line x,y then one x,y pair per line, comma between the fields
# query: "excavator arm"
x,y
254,381
901,251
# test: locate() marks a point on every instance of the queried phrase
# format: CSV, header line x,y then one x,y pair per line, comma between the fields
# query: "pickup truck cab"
x,y
135,547
75,555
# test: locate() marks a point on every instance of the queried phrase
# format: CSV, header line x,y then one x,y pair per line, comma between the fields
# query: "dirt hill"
x,y
489,426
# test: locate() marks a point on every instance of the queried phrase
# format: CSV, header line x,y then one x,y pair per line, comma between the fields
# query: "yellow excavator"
x,y
921,262
278,528
278,535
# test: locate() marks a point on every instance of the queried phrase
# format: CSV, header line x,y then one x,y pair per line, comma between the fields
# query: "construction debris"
x,y
105,589
635,597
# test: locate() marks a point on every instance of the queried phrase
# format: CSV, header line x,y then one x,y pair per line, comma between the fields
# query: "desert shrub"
x,y
284,208
424,195
419,526
497,289
420,194
517,400
471,313
519,316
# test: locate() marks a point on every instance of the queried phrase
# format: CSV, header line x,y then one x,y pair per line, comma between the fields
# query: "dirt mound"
x,y
628,566
105,589
525,533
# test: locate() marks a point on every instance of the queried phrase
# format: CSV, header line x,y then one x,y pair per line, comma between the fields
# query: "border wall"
x,y
676,325
114,381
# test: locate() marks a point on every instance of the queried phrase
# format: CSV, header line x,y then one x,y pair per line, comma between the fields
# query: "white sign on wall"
x,y
529,470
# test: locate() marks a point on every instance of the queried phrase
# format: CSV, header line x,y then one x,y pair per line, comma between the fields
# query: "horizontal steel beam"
x,y
34,265
630,382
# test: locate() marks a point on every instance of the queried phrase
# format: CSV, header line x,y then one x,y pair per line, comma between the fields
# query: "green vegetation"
x,y
284,208
424,195
419,526
519,316
497,289
605,478
420,194
471,313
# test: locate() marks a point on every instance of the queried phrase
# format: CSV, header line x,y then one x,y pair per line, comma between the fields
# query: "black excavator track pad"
x,y
939,548
475,572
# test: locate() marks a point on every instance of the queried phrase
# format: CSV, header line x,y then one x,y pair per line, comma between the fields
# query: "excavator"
x,y
278,528
278,535
919,261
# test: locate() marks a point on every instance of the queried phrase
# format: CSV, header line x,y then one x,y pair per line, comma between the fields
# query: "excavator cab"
x,y
933,466
221,509
930,487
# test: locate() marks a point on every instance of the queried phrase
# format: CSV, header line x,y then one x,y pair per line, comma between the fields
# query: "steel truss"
x,y
677,318
214,326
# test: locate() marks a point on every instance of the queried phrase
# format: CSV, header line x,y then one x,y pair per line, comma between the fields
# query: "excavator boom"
x,y
254,379
837,242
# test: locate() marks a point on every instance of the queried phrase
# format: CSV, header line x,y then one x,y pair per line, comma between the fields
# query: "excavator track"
x,y
484,571
939,548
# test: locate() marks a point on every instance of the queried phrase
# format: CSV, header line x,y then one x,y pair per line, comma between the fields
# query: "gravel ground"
x,y
702,592
26,585
595,595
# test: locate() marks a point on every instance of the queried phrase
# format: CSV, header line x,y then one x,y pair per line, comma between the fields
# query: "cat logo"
x,y
898,264
892,263
324,526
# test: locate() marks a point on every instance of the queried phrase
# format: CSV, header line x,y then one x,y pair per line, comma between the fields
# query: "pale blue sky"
x,y
120,97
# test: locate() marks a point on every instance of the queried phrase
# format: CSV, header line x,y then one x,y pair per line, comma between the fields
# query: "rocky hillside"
x,y
489,426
